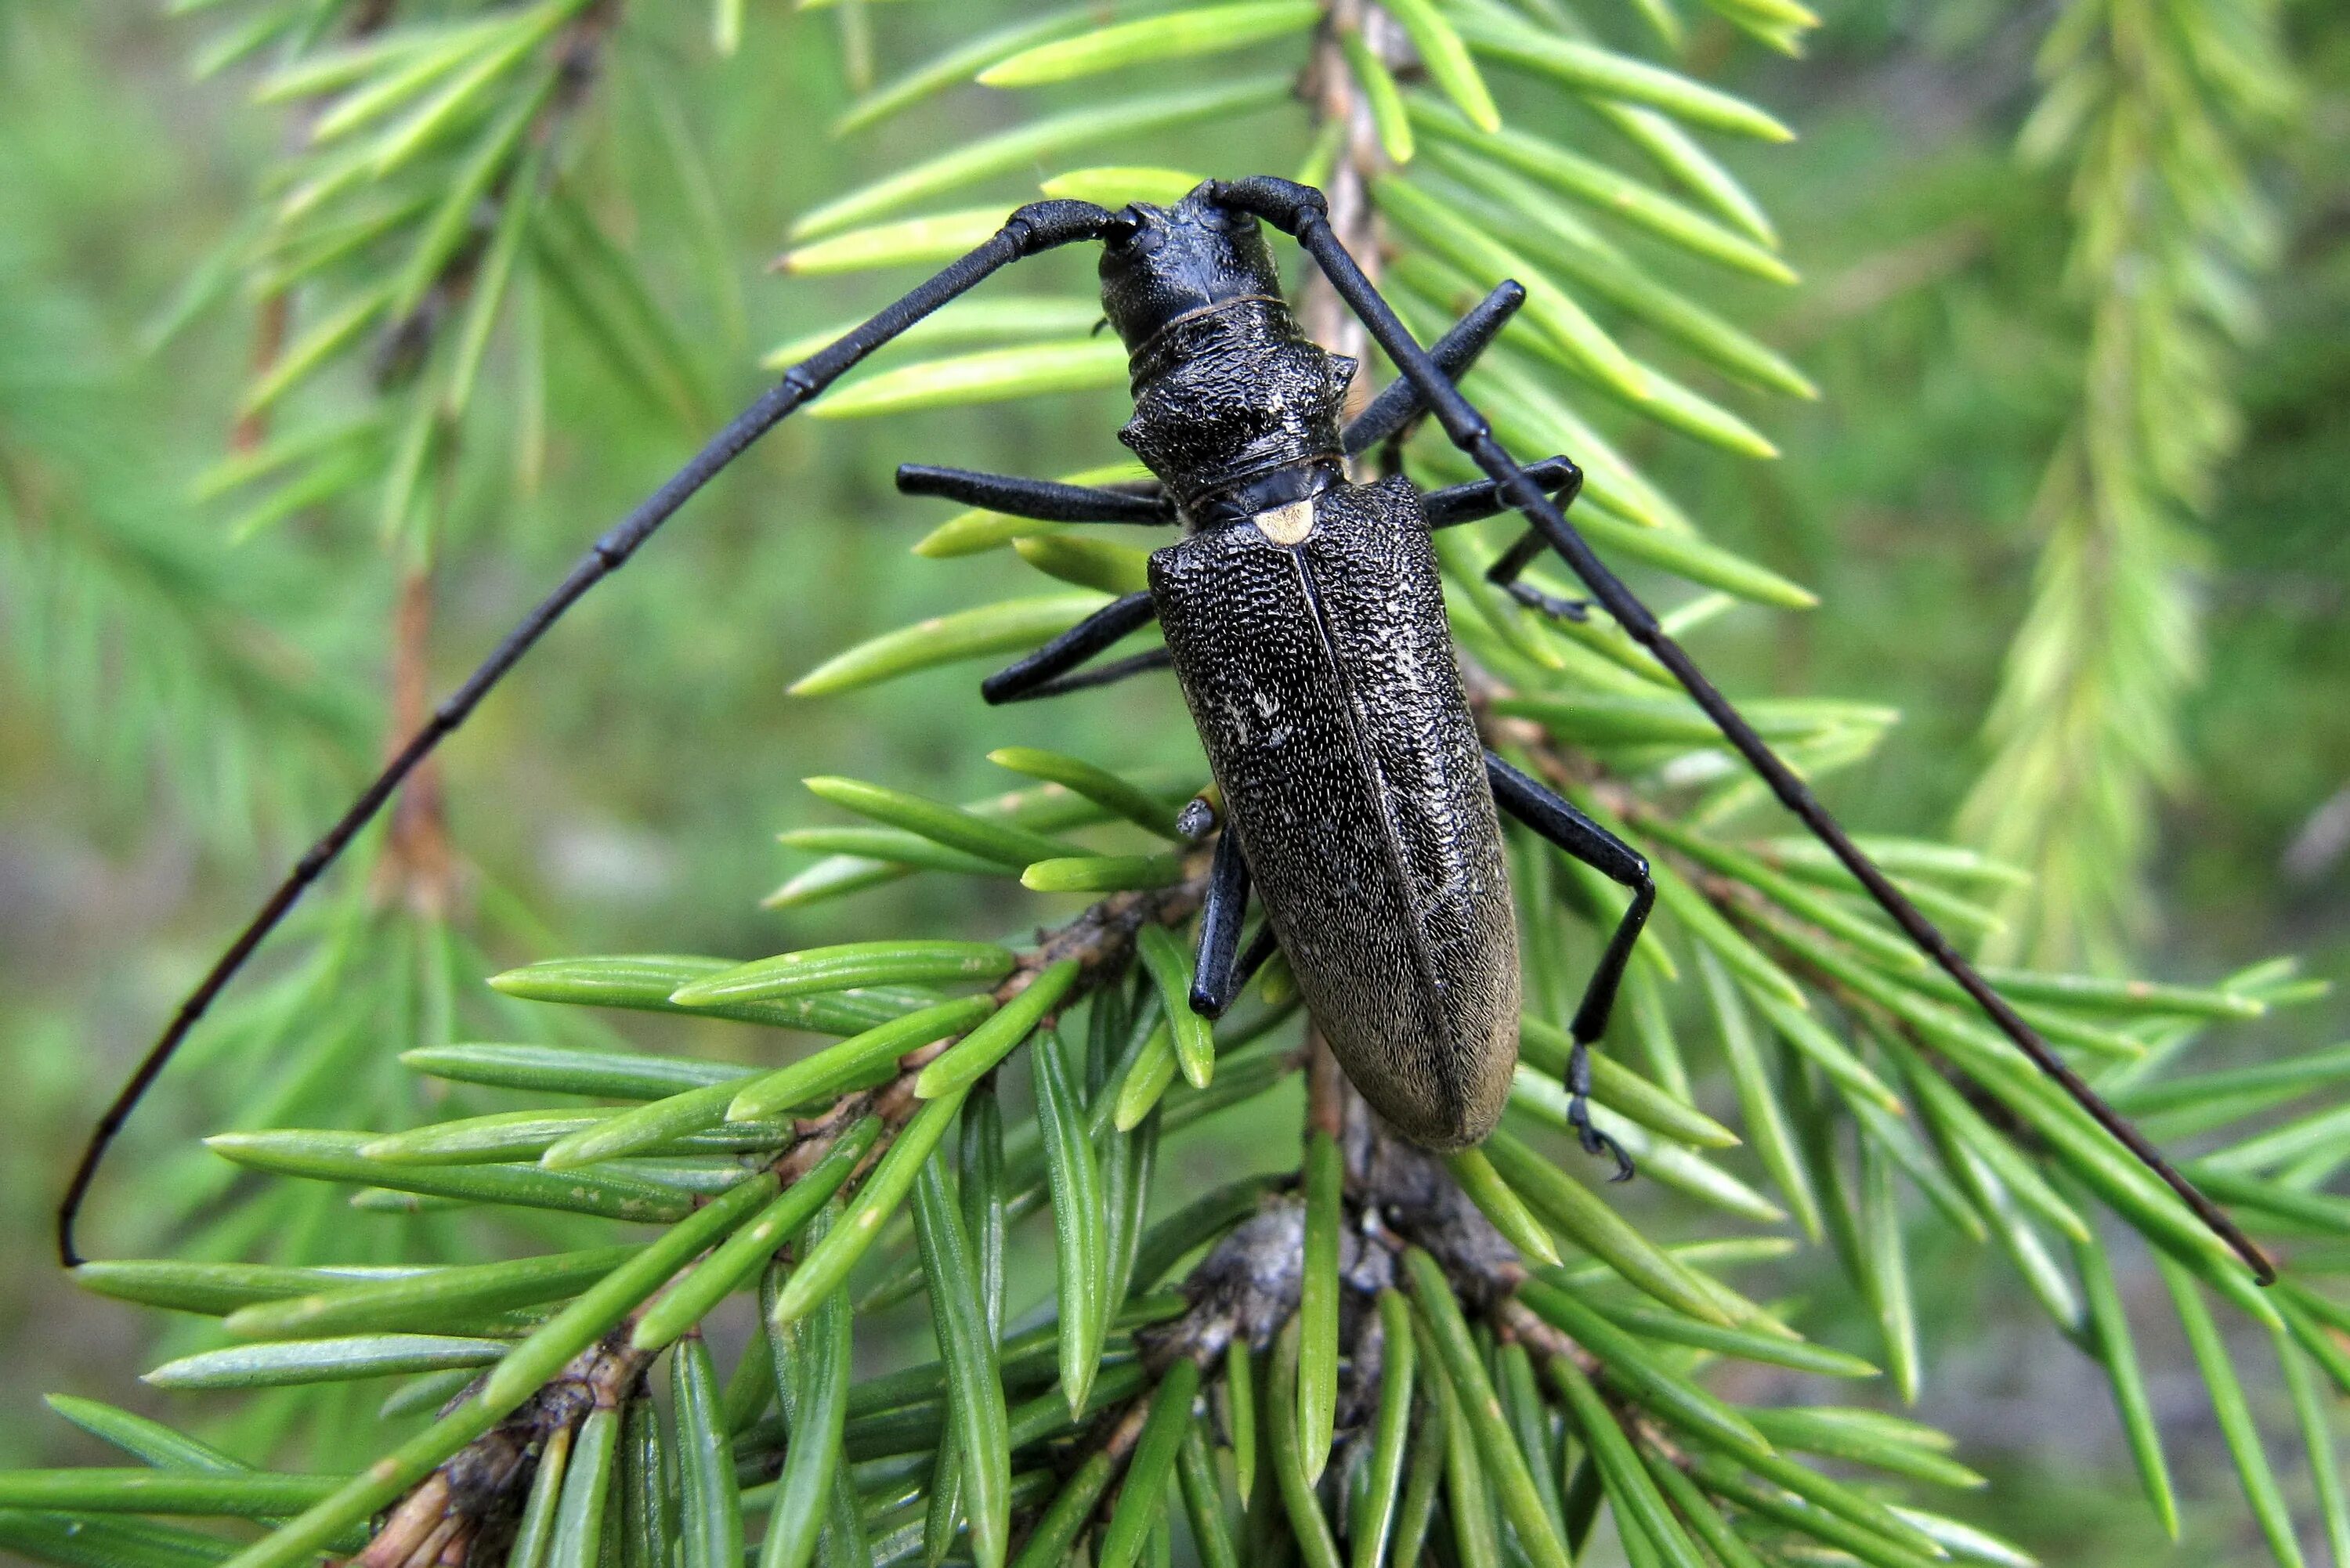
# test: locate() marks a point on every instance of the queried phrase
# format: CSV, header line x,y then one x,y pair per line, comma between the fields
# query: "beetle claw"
x,y
1624,1171
1578,1113
1593,1141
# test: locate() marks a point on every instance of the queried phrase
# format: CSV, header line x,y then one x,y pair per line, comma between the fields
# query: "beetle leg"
x,y
1261,948
1504,574
1215,975
1560,480
1475,502
1199,816
1390,413
1040,674
1559,821
1046,499
1109,674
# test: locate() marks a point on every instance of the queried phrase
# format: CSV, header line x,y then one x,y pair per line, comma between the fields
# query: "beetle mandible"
x,y
1305,622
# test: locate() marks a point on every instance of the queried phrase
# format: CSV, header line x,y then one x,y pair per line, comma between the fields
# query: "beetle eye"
x,y
1137,229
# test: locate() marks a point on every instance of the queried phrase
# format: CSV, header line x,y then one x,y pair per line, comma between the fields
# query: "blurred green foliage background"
x,y
176,710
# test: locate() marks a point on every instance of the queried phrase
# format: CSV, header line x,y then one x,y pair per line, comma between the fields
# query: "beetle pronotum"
x,y
1305,623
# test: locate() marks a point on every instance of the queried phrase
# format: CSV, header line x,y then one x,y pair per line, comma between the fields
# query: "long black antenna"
x,y
1300,211
1039,226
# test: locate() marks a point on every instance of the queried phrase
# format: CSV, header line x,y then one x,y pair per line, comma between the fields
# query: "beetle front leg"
x,y
1559,821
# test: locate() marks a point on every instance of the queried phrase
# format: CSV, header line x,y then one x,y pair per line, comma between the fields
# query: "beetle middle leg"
x,y
1047,672
1389,415
1559,821
1481,499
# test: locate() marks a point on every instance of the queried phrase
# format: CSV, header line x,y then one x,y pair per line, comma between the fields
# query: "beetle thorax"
x,y
1234,408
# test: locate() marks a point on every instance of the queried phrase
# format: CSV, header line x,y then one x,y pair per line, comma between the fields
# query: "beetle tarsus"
x,y
1473,434
1598,1143
1578,1113
1228,389
1535,600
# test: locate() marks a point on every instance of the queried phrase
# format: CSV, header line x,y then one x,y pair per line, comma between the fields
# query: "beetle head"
x,y
1168,263
1227,389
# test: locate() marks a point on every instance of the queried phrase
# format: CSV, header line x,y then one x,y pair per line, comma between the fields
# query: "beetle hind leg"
x,y
1559,821
1302,212
1222,968
1578,1112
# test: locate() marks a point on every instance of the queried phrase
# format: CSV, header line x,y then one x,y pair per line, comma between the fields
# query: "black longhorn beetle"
x,y
1305,622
